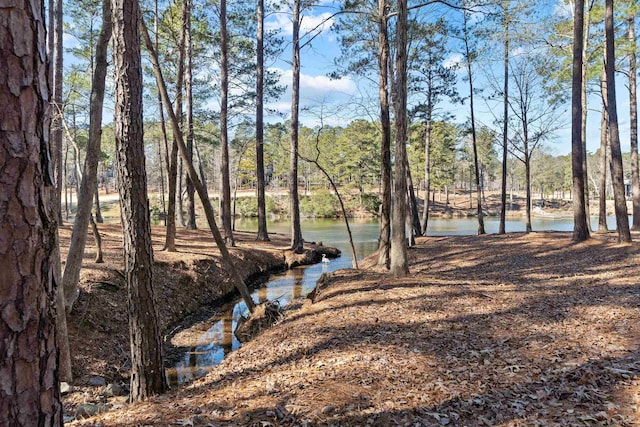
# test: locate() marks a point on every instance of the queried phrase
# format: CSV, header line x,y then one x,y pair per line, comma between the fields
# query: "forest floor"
x,y
508,330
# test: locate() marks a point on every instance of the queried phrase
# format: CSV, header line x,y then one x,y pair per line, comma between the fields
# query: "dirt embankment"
x,y
184,281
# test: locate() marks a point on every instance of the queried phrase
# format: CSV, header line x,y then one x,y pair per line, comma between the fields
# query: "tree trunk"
x,y
263,235
201,170
89,180
583,98
163,126
172,176
505,129
147,370
413,205
98,241
30,391
161,168
225,181
180,115
384,244
56,119
633,119
191,207
297,243
622,220
97,209
473,132
427,175
171,160
580,225
527,174
604,131
399,261
200,189
181,218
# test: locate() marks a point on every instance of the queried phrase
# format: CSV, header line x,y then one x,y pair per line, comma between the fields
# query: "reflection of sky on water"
x,y
219,339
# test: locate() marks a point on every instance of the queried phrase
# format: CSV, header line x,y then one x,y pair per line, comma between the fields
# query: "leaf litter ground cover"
x,y
508,330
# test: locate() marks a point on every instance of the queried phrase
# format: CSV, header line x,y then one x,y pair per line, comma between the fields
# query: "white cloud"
x,y
314,89
314,23
455,60
282,23
324,84
563,9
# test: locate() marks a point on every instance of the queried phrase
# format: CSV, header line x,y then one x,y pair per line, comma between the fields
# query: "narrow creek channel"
x,y
210,347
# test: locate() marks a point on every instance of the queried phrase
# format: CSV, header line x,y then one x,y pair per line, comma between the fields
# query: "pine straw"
x,y
495,330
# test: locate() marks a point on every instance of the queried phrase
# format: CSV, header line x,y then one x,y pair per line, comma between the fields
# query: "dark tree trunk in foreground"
x,y
297,243
617,175
262,208
580,225
89,178
399,261
384,244
147,370
30,393
633,119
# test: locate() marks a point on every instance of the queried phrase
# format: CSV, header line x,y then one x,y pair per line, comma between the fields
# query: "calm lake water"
x,y
219,340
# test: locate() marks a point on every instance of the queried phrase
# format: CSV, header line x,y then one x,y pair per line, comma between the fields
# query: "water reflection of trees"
x,y
227,334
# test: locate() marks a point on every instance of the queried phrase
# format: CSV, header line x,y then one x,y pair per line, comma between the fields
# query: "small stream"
x,y
212,346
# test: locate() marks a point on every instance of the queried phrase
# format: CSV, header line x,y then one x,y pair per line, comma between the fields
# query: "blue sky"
x,y
339,101
349,97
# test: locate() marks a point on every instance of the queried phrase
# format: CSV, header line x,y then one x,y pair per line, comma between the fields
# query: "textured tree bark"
x,y
583,97
384,244
617,176
225,182
399,262
56,119
29,383
297,243
191,206
89,179
580,226
633,119
147,371
97,209
263,234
